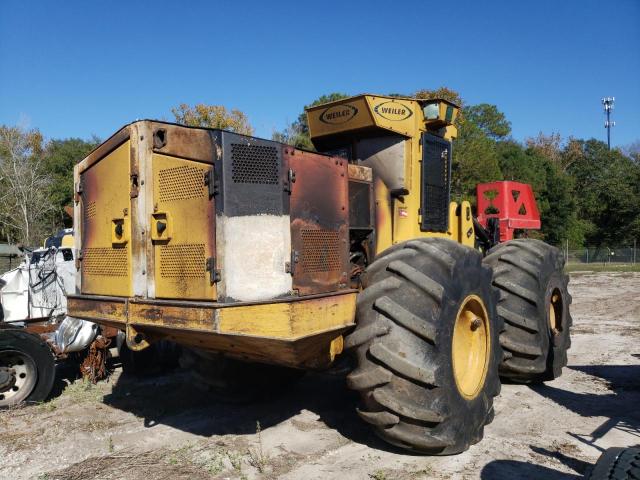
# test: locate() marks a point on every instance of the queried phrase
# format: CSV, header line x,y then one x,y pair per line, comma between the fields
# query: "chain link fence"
x,y
601,255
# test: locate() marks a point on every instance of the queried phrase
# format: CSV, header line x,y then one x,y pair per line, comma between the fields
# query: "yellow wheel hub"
x,y
471,346
555,312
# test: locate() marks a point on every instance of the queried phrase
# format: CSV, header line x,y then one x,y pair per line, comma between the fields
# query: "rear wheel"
x,y
158,357
235,381
426,345
534,305
27,368
617,464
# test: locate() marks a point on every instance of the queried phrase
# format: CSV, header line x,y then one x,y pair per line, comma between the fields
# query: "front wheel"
x,y
27,368
426,345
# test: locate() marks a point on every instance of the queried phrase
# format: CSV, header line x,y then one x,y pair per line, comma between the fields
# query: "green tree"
x,y
474,161
297,133
633,151
489,120
556,203
212,116
607,186
521,165
553,189
59,158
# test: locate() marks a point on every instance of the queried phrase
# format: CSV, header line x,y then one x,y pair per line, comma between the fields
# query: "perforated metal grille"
x,y
90,210
106,262
182,261
254,164
435,200
436,158
181,183
320,250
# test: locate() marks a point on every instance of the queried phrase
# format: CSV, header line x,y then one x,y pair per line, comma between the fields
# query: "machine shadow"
x,y
579,466
508,469
172,399
618,403
66,372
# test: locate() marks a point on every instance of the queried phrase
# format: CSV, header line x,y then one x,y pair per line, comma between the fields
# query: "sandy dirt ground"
x,y
163,427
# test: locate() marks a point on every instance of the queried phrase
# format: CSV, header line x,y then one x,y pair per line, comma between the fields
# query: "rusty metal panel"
x,y
97,308
185,142
182,230
106,229
319,210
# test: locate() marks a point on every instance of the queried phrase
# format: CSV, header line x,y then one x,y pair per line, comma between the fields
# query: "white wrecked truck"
x,y
34,328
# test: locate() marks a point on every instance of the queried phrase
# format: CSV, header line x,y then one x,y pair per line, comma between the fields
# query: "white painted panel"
x,y
251,252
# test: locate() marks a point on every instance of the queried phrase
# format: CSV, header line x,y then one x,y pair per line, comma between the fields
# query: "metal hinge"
x,y
134,185
211,182
291,179
214,275
290,267
79,189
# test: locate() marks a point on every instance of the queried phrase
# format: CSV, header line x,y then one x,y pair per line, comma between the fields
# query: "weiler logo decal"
x,y
392,110
338,114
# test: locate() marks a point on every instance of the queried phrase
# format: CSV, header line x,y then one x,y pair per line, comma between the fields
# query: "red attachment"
x,y
512,203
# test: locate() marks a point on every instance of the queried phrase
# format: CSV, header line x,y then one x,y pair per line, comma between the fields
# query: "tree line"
x,y
586,194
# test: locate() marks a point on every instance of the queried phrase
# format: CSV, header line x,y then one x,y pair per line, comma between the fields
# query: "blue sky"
x,y
76,68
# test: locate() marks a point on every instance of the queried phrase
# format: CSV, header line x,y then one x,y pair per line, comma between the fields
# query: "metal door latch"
x,y
214,275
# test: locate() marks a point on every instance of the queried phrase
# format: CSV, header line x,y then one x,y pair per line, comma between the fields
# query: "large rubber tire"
x,y
528,273
617,464
405,315
234,381
33,366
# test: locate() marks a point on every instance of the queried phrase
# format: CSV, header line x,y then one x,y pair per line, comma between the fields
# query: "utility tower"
x,y
607,103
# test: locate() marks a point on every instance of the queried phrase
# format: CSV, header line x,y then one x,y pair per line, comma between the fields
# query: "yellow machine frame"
x,y
304,331
114,291
397,219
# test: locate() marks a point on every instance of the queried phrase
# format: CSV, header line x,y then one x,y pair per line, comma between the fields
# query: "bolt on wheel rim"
x,y
23,373
471,346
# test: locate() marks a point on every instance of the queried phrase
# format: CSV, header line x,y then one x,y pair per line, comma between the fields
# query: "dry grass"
x,y
257,457
82,391
14,441
148,465
205,460
14,411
